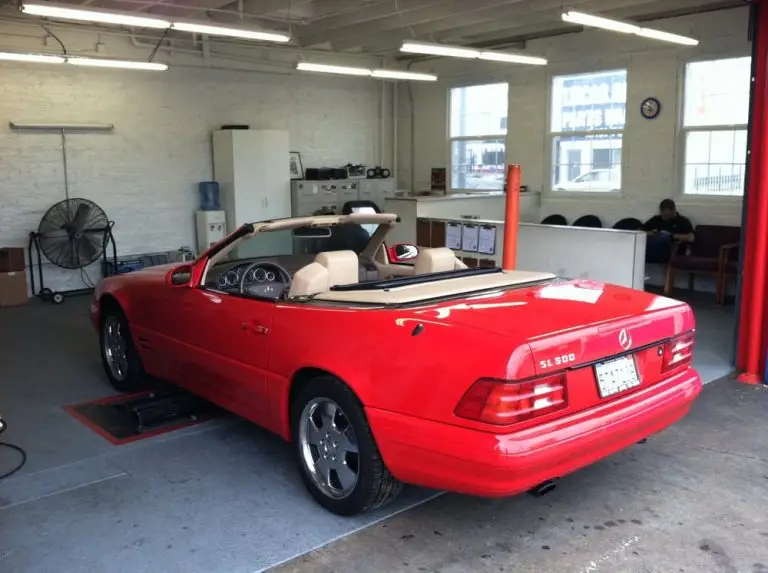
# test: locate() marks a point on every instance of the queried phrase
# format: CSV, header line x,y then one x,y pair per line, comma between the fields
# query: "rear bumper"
x,y
447,457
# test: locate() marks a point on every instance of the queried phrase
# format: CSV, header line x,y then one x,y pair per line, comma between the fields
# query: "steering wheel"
x,y
285,277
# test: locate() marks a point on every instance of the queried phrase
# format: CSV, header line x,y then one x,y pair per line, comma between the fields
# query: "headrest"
x,y
435,260
343,267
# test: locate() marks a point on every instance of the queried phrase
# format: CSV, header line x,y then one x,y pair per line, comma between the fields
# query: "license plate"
x,y
617,375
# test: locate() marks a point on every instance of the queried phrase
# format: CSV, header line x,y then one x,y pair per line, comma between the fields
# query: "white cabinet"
x,y
252,169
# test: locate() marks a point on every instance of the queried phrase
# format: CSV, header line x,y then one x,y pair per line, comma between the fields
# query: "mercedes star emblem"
x,y
625,340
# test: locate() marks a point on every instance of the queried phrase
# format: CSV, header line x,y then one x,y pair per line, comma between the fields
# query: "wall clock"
x,y
650,107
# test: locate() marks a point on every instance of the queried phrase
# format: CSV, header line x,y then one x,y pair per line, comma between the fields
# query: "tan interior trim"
x,y
386,222
436,289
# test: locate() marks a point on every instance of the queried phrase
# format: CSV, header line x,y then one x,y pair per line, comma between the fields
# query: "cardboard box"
x,y
11,259
13,289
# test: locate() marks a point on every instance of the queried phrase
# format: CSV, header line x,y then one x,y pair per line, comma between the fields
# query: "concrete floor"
x,y
692,499
225,496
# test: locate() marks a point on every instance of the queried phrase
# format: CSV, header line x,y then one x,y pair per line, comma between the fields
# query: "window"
x,y
478,131
586,126
715,117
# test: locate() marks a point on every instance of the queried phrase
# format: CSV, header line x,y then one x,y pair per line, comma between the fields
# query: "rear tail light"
x,y
678,353
505,402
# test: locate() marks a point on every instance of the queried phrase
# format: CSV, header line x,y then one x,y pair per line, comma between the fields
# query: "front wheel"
x,y
337,455
118,355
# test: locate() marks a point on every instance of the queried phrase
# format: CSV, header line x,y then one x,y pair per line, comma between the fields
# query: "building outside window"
x,y
587,121
477,137
715,117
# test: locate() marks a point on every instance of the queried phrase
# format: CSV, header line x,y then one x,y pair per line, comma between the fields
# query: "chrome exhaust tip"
x,y
543,488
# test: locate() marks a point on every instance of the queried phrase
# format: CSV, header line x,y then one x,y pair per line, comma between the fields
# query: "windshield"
x,y
351,236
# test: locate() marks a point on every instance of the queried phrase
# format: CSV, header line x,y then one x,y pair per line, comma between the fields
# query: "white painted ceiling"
x,y
379,26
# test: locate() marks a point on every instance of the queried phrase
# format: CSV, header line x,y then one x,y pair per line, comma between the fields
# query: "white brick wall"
x,y
651,150
144,174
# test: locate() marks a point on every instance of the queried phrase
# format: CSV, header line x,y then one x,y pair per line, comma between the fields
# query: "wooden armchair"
x,y
705,256
729,268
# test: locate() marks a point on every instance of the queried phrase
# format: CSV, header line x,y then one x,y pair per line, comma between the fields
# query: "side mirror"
x,y
403,252
180,276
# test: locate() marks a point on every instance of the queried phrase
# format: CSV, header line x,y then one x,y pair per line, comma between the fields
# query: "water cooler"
x,y
211,228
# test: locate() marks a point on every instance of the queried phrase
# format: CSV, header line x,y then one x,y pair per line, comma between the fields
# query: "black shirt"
x,y
350,236
677,225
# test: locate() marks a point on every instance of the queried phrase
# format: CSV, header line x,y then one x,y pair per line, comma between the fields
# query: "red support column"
x,y
752,317
511,218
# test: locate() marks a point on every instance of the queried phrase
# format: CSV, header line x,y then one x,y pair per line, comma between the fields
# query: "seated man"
x,y
665,229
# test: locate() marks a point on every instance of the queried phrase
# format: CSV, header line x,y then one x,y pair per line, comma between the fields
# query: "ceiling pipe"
x,y
566,31
150,45
148,41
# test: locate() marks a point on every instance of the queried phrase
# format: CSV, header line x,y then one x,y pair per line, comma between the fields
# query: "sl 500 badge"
x,y
557,361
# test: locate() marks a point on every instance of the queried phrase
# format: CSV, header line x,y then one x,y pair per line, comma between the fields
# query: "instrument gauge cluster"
x,y
231,279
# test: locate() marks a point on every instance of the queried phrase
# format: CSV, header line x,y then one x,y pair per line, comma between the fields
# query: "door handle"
x,y
255,327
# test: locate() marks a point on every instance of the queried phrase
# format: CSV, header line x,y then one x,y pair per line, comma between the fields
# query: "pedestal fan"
x,y
72,234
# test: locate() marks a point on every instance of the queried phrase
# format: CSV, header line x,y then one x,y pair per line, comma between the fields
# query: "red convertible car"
x,y
386,365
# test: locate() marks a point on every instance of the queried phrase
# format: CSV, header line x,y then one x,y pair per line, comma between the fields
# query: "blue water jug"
x,y
209,196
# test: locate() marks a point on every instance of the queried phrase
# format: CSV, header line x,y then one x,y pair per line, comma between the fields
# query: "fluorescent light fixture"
x,y
400,75
512,58
125,64
58,11
626,28
82,61
469,53
600,22
439,50
667,37
326,69
104,16
351,71
36,58
231,32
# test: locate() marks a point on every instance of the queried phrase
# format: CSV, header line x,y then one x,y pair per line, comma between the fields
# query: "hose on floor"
x,y
15,448
19,465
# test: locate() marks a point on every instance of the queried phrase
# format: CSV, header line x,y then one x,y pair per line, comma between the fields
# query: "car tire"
x,y
375,486
134,378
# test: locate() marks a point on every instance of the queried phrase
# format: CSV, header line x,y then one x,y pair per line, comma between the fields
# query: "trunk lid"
x,y
572,323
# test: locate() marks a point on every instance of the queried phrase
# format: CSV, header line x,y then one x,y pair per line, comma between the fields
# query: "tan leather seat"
x,y
328,269
343,267
310,280
436,260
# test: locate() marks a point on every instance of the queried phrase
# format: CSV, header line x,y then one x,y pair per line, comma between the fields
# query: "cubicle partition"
x,y
488,205
607,255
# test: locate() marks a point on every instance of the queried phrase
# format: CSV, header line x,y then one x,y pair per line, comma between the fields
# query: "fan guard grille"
x,y
73,233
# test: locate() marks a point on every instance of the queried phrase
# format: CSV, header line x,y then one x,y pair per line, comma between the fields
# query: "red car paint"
x,y
244,354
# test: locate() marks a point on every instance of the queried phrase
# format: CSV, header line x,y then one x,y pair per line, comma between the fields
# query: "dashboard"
x,y
263,280
269,278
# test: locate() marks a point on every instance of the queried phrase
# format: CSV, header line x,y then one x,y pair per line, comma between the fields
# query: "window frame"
x,y
450,189
681,131
550,136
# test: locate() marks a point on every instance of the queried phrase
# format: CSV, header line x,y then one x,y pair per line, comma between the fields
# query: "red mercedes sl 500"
x,y
386,365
